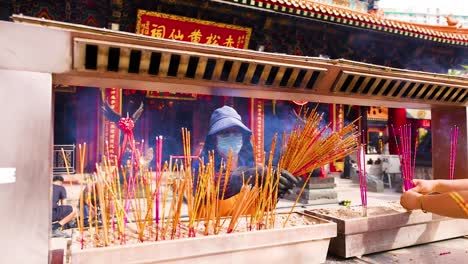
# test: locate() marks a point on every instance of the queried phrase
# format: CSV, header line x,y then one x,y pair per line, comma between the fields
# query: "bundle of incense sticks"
x,y
404,152
205,195
122,202
308,147
263,215
453,150
361,163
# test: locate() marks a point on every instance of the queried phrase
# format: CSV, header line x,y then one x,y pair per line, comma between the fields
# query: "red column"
x,y
397,118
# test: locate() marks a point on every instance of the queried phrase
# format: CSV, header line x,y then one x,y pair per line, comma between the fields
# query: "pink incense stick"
x,y
156,200
158,161
455,147
364,176
141,146
414,160
408,165
451,154
407,155
453,151
361,163
404,156
107,149
407,142
132,179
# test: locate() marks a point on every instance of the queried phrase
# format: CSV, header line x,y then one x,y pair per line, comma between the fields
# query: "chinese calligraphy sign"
x,y
167,26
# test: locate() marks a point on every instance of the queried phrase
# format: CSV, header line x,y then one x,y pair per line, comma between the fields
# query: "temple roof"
x,y
349,17
81,55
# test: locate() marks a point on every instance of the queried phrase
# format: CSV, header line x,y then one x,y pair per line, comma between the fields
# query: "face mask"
x,y
225,143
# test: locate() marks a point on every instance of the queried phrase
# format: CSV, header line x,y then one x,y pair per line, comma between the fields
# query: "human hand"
x,y
424,186
411,200
286,183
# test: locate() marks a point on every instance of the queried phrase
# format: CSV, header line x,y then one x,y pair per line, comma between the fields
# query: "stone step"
x,y
314,196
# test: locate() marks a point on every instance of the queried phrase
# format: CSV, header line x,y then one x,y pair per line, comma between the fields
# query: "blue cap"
x,y
226,117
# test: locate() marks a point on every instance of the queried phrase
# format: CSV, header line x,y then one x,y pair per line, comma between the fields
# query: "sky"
x,y
455,7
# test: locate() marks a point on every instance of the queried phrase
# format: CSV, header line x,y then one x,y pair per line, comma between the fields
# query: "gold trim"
x,y
57,88
142,12
193,98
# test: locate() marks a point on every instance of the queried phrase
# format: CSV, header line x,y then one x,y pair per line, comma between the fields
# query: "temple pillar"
x,y
396,119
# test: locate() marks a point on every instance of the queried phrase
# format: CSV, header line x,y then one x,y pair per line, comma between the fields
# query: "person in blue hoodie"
x,y
228,132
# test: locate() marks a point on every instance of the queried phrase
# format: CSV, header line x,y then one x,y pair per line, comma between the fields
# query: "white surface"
x,y
26,129
391,163
7,175
34,48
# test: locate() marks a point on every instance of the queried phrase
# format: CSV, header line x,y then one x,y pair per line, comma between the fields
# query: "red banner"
x,y
180,28
257,126
113,97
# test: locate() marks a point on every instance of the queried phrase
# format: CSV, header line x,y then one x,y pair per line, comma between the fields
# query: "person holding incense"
x,y
442,197
61,213
228,133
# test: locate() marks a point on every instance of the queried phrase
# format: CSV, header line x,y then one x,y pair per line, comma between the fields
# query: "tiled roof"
x,y
349,17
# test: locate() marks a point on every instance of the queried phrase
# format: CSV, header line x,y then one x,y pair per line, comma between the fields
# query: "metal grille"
x,y
383,86
60,166
167,61
117,57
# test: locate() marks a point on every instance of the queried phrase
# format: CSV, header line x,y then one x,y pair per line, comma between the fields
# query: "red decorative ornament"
x,y
301,103
126,124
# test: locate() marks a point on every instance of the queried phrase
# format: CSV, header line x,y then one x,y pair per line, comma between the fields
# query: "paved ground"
x,y
441,252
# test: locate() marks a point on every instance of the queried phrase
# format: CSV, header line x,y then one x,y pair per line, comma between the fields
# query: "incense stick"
x,y
406,163
453,150
361,163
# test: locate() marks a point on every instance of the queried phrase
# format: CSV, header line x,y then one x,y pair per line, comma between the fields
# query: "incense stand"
x,y
385,228
309,244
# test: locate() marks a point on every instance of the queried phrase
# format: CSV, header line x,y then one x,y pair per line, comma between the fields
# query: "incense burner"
x,y
291,244
386,227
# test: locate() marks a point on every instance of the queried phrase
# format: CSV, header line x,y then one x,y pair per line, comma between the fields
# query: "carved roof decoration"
x,y
350,17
